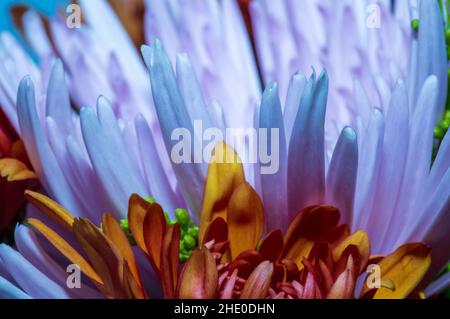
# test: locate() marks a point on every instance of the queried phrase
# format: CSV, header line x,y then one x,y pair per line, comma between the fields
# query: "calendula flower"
x,y
373,165
316,257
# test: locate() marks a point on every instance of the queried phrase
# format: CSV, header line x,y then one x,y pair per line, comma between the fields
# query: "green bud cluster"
x,y
189,233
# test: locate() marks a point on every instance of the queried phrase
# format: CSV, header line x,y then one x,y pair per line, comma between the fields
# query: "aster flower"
x,y
377,174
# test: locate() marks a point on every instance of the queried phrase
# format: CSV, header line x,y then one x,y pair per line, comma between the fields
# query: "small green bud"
x,y
182,216
183,257
438,132
415,24
193,231
190,242
150,199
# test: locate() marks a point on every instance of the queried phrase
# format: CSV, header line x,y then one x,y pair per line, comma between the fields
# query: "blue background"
x,y
46,7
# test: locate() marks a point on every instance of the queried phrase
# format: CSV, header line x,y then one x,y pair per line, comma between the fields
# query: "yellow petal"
x,y
51,209
15,170
311,225
225,174
358,239
405,268
245,219
64,248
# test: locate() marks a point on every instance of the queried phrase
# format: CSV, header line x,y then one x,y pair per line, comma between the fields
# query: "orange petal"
x,y
405,268
258,283
51,209
271,246
154,231
312,224
131,287
224,176
137,210
199,277
245,219
112,230
64,248
104,257
170,262
358,239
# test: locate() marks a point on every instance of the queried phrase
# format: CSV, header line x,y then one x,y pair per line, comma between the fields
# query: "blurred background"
x,y
46,7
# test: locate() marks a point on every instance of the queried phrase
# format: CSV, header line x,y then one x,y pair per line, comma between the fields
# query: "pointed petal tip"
x,y
349,133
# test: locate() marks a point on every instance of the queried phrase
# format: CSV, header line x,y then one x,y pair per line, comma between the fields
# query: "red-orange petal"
x,y
154,231
137,210
271,246
170,261
51,208
217,230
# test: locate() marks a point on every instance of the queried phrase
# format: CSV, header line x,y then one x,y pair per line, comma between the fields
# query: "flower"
x,y
374,166
15,176
316,258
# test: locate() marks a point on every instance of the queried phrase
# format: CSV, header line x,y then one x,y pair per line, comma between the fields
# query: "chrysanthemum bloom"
x,y
316,257
380,182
